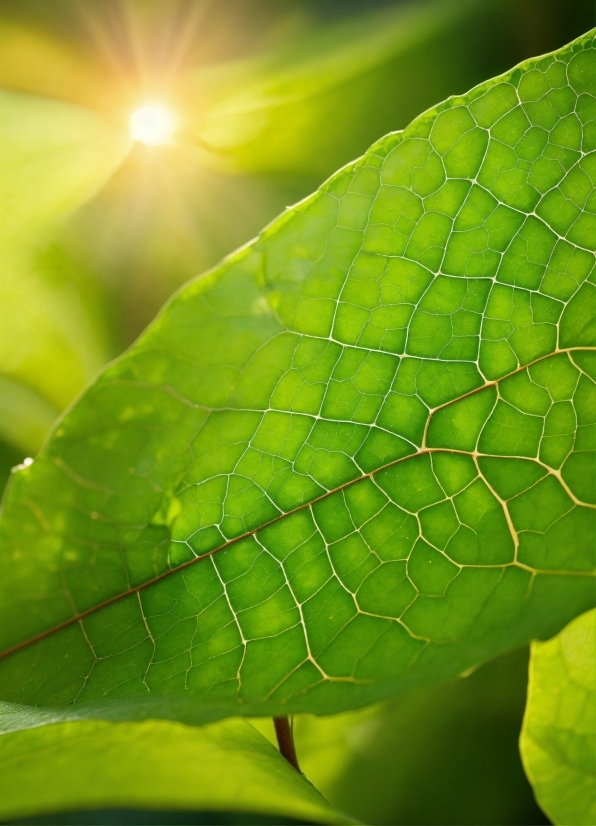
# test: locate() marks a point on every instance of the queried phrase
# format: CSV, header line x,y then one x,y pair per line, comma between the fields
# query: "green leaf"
x,y
352,459
558,740
225,766
53,157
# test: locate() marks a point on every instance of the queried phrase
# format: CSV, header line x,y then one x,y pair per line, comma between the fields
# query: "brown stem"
x,y
285,739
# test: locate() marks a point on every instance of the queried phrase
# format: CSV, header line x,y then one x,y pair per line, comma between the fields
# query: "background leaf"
x,y
558,741
227,766
369,414
53,157
35,61
317,103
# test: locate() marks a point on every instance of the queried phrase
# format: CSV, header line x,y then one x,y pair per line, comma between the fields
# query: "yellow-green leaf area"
x,y
558,741
226,766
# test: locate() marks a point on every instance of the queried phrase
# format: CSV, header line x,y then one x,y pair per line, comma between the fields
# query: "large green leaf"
x,y
53,157
356,456
225,766
558,741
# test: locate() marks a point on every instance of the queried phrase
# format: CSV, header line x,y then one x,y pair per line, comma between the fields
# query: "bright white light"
x,y
152,124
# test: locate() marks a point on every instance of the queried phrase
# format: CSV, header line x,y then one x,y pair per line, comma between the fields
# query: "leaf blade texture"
x,y
352,459
224,766
558,740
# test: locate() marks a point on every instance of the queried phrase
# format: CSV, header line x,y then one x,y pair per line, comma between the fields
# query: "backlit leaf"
x,y
354,458
558,742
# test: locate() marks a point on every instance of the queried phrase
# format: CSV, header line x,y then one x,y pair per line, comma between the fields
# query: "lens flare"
x,y
152,124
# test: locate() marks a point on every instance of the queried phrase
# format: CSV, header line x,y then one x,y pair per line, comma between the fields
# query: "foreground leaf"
x,y
53,158
226,766
558,741
354,458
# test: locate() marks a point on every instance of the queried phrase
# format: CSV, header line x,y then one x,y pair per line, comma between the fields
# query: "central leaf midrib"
x,y
421,451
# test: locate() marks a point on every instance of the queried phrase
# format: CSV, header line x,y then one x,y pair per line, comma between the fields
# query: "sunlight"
x,y
152,124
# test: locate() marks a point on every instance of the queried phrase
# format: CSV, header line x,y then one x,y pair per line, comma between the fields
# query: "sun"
x,y
152,124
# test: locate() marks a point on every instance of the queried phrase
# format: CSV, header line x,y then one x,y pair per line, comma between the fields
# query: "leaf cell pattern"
x,y
357,456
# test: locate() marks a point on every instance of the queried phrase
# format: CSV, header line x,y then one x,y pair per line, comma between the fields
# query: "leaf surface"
x,y
225,766
354,458
558,741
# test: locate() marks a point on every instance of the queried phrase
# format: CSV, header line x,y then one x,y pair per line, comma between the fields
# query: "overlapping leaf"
x,y
354,458
558,742
226,766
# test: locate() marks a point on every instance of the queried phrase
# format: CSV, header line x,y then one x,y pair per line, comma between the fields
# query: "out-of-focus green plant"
x,y
318,102
444,754
53,157
558,741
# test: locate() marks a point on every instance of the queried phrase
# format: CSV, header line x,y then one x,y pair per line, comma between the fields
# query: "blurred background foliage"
x,y
271,98
446,754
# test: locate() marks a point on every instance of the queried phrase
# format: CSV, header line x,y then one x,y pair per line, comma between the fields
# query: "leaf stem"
x,y
285,740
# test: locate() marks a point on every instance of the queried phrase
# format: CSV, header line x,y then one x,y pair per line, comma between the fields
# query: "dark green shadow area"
x,y
446,754
9,457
